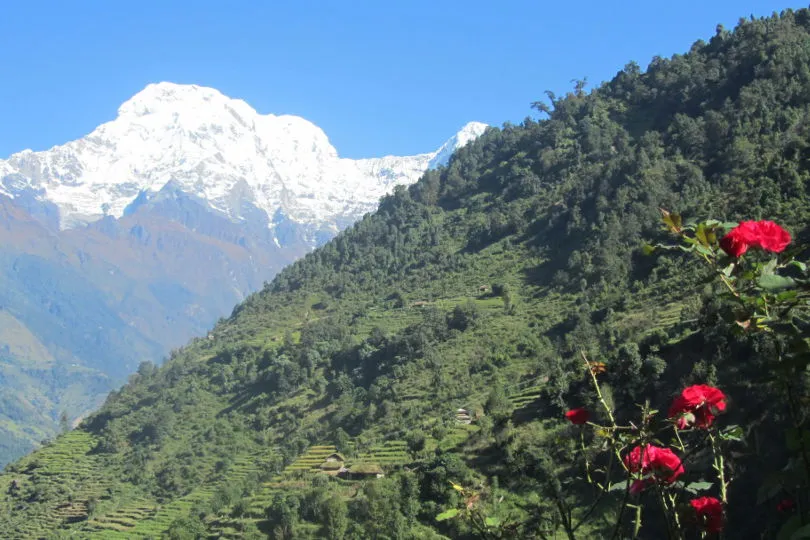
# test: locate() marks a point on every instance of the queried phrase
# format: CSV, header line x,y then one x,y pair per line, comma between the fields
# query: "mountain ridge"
x,y
218,149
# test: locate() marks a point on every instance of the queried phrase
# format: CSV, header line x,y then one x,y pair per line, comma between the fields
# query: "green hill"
x,y
477,288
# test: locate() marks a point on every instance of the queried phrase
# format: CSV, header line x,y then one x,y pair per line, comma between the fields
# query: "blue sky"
x,y
380,77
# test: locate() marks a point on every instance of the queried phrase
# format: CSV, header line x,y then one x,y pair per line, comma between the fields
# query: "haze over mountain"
x,y
123,244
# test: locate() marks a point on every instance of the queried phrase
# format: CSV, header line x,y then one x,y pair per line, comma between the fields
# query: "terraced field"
x,y
310,460
386,454
66,468
142,517
148,519
121,522
526,397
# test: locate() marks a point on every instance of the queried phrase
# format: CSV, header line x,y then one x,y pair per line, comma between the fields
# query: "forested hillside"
x,y
439,342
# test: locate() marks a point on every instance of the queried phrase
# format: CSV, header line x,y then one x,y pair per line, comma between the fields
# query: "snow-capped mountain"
x,y
219,150
119,246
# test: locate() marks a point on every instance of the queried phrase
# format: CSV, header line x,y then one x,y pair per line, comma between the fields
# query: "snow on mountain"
x,y
219,150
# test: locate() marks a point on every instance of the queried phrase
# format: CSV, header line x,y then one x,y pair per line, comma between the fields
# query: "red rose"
x,y
709,512
772,237
666,465
578,416
785,505
662,463
638,460
697,405
734,243
764,234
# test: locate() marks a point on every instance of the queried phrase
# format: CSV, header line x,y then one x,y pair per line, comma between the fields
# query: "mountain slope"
x,y
124,244
475,288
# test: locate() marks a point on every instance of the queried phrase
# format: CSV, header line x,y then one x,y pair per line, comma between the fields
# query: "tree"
x,y
188,528
283,515
64,422
334,517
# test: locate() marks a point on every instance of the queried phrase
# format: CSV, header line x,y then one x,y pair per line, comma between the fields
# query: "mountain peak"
x,y
218,150
167,95
468,133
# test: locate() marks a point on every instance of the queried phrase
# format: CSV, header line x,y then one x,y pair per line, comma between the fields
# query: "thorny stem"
x,y
665,507
675,512
624,505
598,390
614,428
566,518
719,466
613,425
678,436
637,523
585,455
728,284
604,489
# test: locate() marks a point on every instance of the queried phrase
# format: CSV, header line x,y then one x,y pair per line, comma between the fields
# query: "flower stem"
x,y
598,390
719,466
728,284
678,436
585,455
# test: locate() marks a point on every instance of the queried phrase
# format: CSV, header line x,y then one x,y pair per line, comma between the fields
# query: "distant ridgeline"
x,y
437,343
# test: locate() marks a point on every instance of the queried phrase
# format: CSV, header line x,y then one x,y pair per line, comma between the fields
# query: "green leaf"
x,y
648,249
618,486
800,265
774,282
802,532
672,221
447,514
694,487
492,521
786,295
701,234
728,225
729,269
732,433
768,268
770,488
793,439
791,525
703,249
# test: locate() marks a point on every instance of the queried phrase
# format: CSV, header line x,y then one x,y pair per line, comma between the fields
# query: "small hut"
x,y
463,416
334,464
337,457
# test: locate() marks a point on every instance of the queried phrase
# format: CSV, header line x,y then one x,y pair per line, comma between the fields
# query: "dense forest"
x,y
410,379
